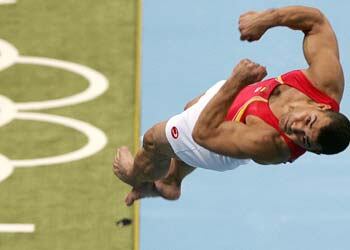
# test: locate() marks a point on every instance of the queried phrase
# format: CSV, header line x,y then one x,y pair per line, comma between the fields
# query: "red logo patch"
x,y
174,132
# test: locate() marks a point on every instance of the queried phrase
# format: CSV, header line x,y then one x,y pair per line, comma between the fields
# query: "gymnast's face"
x,y
303,125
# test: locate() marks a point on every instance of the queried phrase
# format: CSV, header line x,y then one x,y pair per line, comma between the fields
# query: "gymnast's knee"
x,y
149,142
156,142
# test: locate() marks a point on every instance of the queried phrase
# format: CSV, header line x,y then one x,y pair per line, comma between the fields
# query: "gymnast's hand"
x,y
247,72
252,26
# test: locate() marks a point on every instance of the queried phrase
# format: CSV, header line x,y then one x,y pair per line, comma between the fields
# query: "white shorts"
x,y
179,134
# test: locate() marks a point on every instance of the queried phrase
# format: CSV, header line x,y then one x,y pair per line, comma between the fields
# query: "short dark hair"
x,y
334,137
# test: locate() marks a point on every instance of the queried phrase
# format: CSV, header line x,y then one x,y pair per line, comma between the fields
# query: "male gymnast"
x,y
245,117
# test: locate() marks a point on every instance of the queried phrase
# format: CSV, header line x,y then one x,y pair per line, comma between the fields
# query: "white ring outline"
x,y
8,54
96,140
6,168
98,83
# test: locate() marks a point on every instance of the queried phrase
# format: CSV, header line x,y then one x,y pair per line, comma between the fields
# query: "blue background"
x,y
187,47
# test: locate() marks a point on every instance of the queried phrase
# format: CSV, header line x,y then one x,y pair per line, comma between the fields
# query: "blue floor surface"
x,y
187,47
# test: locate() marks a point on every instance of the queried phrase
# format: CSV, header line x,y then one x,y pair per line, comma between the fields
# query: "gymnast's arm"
x,y
320,43
240,141
211,131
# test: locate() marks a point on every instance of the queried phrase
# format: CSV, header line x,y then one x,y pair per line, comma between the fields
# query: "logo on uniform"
x,y
260,89
174,132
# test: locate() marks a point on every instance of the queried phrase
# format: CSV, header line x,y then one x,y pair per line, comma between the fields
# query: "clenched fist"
x,y
252,26
247,72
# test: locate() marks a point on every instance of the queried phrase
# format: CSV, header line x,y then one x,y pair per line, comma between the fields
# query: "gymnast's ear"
x,y
323,106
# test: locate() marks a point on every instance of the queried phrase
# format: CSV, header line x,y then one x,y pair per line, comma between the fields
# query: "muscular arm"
x,y
213,132
320,43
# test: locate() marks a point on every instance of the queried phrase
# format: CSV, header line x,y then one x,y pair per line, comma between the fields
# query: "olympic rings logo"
x,y
9,111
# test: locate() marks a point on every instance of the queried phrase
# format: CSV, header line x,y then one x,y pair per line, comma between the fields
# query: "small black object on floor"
x,y
123,222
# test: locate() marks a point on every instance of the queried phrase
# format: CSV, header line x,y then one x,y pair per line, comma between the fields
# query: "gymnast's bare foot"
x,y
170,190
162,188
123,165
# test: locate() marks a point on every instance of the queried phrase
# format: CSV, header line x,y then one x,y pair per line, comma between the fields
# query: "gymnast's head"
x,y
317,128
334,137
